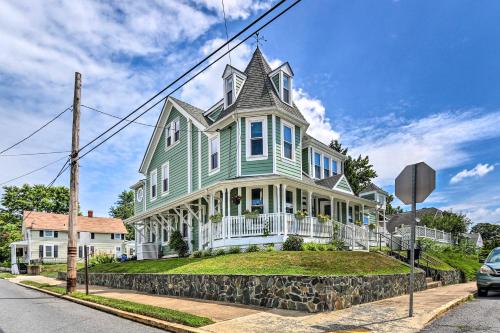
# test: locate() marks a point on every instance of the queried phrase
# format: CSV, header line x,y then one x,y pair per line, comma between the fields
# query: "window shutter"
x,y
40,251
112,236
56,233
56,250
41,233
92,235
123,236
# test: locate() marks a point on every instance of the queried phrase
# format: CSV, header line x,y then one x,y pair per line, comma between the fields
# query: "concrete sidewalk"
x,y
389,315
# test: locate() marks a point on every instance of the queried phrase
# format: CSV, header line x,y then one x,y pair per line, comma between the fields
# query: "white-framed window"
x,y
172,133
317,165
287,87
117,236
214,153
165,178
139,194
289,202
334,167
287,139
326,166
256,138
153,185
257,200
48,233
48,251
229,90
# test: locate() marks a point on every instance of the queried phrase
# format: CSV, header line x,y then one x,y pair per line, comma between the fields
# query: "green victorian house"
x,y
244,172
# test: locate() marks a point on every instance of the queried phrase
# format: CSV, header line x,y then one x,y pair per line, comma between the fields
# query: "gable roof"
x,y
258,91
59,222
373,188
193,111
334,181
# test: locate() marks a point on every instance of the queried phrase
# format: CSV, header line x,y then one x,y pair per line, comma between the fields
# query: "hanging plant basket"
x,y
216,218
301,214
372,226
322,218
236,199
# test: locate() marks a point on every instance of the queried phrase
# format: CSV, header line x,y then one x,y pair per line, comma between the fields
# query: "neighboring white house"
x,y
475,239
45,238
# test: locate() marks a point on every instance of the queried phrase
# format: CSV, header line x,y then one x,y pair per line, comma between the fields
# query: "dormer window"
x,y
286,88
229,90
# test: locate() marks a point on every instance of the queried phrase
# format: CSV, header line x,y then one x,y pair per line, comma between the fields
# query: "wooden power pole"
x,y
73,194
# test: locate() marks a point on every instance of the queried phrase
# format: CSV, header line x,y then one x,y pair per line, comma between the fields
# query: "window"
x,y
184,230
214,151
286,88
287,141
165,234
92,235
48,233
165,172
172,133
257,203
229,90
317,165
256,138
153,184
176,129
49,251
334,167
289,202
116,236
326,167
257,141
139,194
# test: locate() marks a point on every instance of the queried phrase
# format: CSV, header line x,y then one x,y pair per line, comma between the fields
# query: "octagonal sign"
x,y
425,182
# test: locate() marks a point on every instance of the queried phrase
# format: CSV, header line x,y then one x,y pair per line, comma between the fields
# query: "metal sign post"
x,y
413,185
86,255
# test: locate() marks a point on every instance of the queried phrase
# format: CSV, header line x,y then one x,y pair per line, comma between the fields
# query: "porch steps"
x,y
431,283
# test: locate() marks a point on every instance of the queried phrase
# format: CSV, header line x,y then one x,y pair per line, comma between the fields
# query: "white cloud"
x,y
479,170
315,114
235,9
438,139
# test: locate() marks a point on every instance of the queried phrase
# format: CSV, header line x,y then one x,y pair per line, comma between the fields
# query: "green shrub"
x,y
310,247
207,253
178,244
337,245
197,254
293,243
102,258
220,252
253,248
234,250
269,248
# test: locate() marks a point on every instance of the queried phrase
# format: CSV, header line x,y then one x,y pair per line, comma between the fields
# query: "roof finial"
x,y
258,39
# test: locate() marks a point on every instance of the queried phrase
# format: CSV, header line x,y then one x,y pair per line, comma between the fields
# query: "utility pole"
x,y
73,188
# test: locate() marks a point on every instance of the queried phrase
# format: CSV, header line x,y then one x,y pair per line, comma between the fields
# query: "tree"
x,y
389,209
490,233
124,209
17,199
358,171
451,222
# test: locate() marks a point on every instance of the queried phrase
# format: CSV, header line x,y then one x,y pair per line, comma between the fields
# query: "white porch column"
x,y
190,231
200,230
229,201
347,212
223,213
211,203
13,262
331,208
309,202
363,214
277,207
283,209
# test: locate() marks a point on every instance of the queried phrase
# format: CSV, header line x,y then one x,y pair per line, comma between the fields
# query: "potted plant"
x,y
358,223
236,199
250,214
216,218
322,218
301,214
372,226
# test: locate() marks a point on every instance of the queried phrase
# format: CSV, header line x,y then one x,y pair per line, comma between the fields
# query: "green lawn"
x,y
468,264
5,275
51,270
277,263
143,309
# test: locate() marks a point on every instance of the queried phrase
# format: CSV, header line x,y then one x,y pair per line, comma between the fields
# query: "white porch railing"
x,y
282,224
423,231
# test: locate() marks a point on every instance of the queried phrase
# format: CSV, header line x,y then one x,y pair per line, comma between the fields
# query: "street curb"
x,y
165,325
450,305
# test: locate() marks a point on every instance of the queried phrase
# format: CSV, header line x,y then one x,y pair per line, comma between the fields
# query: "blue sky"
x,y
401,81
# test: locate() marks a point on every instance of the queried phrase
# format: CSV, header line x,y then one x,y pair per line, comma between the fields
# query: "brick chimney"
x,y
90,213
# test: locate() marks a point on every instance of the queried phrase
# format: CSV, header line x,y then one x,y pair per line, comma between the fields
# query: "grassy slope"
x,y
279,262
143,309
469,264
51,270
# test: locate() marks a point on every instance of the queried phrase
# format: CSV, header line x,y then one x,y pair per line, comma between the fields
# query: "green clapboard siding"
x,y
343,185
227,167
305,160
284,166
257,167
177,157
138,206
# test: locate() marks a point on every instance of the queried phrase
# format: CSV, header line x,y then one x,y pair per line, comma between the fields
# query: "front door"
x,y
118,251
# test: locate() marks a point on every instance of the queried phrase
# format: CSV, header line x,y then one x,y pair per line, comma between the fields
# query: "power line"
x,y
227,33
38,130
33,171
32,154
186,73
165,97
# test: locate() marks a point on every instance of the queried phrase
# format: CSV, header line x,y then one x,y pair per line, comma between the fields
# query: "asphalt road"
x,y
25,310
480,315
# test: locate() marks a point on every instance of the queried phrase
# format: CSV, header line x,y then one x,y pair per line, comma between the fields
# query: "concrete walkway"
x,y
389,315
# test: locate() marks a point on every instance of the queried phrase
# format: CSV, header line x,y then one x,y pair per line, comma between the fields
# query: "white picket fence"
x,y
278,225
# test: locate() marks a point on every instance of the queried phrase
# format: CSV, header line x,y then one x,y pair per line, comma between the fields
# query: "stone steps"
x,y
433,284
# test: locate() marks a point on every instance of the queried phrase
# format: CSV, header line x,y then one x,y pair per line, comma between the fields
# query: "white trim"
x,y
248,135
199,159
136,194
169,128
190,155
155,173
265,197
274,142
45,246
166,164
292,127
46,236
342,190
212,137
233,89
282,76
238,147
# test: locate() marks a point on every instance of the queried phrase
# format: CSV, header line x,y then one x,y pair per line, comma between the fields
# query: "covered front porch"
x,y
258,211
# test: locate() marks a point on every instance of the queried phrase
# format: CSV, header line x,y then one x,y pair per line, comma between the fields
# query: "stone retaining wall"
x,y
303,293
450,277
